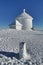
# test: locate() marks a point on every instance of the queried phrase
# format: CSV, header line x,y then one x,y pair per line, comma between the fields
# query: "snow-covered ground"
x,y
9,44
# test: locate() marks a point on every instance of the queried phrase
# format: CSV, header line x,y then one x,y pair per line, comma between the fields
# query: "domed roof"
x,y
24,15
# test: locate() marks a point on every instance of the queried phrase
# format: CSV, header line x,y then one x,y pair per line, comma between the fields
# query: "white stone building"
x,y
22,22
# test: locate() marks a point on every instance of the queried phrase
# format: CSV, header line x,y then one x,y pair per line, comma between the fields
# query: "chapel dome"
x,y
24,15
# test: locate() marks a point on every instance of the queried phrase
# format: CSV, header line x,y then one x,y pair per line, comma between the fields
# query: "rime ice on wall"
x,y
22,22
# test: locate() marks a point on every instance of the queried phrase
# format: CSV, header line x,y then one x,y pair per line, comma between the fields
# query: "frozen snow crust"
x,y
10,39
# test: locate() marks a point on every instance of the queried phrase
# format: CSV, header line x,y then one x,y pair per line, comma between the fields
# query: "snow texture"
x,y
9,46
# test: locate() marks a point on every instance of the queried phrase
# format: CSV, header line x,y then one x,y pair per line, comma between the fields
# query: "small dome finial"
x,y
23,10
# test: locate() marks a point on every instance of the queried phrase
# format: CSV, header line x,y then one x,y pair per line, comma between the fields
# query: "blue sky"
x,y
10,9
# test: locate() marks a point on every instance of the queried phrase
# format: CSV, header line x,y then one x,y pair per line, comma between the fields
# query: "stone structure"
x,y
23,52
22,22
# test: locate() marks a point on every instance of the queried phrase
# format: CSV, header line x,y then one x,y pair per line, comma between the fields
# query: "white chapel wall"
x,y
18,25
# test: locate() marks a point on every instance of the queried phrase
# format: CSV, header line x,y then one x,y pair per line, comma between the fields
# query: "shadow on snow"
x,y
10,54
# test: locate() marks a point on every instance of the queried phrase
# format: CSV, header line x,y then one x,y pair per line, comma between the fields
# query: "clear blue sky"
x,y
9,9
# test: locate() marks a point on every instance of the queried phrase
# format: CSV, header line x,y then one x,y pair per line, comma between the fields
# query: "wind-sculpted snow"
x,y
10,39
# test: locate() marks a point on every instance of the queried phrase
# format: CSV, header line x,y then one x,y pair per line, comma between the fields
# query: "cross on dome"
x,y
24,10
